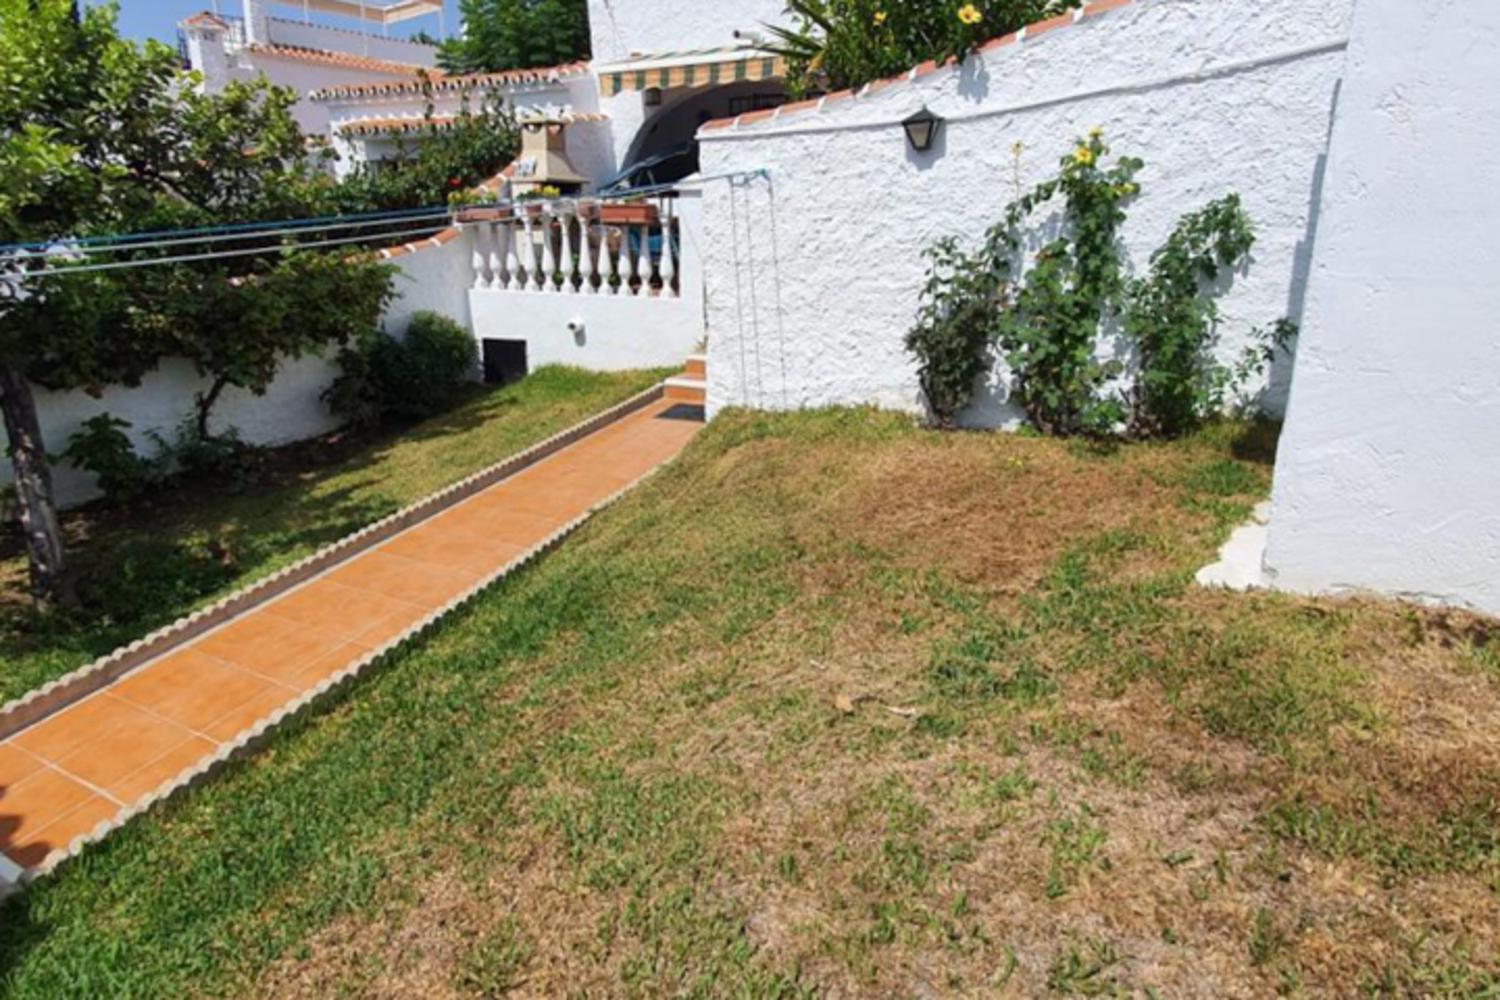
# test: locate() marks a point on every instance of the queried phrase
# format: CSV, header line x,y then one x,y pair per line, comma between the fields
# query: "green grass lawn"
x,y
837,706
143,568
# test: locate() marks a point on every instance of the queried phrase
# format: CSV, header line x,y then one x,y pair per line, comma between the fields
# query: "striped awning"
x,y
699,68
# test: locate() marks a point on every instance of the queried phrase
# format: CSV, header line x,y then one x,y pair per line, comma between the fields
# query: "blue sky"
x,y
158,18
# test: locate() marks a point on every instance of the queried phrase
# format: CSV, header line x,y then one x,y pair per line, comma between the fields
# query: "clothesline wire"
x,y
223,254
17,261
68,250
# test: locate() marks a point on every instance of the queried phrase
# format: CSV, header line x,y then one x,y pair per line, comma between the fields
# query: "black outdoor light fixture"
x,y
922,129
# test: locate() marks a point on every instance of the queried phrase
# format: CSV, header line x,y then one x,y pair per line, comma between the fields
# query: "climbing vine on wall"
x,y
1045,311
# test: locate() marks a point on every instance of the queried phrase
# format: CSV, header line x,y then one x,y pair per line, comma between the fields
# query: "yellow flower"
x,y
880,17
1083,155
1095,132
969,14
1018,148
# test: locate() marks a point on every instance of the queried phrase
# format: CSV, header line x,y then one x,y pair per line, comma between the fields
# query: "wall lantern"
x,y
652,97
922,129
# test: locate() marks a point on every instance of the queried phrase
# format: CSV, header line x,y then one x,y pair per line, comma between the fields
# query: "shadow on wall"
x,y
1279,385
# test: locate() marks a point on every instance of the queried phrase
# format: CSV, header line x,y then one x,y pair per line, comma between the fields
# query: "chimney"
x,y
257,22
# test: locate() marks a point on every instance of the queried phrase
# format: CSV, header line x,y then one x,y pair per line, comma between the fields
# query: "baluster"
x,y
512,258
565,221
607,263
648,262
549,256
477,259
529,254
497,259
668,259
586,258
628,268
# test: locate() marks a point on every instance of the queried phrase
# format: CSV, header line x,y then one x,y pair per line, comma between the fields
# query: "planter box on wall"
x,y
628,214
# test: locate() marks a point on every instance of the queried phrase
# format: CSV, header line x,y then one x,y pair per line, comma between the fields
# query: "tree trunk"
x,y
50,582
205,403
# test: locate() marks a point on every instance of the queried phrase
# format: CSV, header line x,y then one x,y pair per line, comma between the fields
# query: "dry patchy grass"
x,y
838,707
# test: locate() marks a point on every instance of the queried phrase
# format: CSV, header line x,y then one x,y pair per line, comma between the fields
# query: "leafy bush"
x,y
1047,318
833,44
438,358
1173,326
441,162
101,447
383,379
953,331
1049,330
223,459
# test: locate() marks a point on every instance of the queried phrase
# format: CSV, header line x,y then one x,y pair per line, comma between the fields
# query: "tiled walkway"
x,y
99,756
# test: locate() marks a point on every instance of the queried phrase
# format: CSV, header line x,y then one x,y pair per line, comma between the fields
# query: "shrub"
x,y
1049,328
223,458
951,338
359,396
1047,318
1173,326
383,379
438,359
101,447
443,160
833,44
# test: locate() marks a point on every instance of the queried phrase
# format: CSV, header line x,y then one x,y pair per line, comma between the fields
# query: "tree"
x,y
441,163
517,34
238,332
99,136
75,103
835,44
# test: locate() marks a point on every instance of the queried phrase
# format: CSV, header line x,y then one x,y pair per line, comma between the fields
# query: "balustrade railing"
x,y
630,249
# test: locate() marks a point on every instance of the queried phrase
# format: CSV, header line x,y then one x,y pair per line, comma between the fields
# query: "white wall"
x,y
304,77
432,278
1216,97
619,333
623,27
1389,470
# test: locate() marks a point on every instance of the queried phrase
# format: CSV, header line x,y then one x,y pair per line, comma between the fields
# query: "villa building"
x,y
304,56
661,69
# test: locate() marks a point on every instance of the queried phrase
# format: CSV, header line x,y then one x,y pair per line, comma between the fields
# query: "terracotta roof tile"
x,y
343,59
1025,34
206,20
454,84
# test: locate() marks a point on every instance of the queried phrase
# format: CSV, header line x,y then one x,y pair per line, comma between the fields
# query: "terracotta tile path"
x,y
99,756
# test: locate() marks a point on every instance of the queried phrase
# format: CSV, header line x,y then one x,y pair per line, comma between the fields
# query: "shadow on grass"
x,y
142,567
1257,442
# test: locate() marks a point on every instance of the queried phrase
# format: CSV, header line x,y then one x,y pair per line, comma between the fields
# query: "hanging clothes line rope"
x,y
17,259
67,250
122,265
159,235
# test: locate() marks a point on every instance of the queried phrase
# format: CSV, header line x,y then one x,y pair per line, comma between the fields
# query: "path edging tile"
x,y
37,705
14,878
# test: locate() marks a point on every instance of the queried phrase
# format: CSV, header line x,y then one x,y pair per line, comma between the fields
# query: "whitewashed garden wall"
x,y
1388,475
433,276
815,274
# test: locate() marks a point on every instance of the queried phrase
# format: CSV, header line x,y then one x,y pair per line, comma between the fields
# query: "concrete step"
x,y
692,391
697,366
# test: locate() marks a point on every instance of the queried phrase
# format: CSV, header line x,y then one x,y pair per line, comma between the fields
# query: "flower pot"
x,y
633,213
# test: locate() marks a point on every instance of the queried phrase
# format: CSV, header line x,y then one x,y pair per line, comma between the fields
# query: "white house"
x,y
297,53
